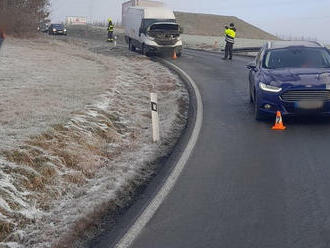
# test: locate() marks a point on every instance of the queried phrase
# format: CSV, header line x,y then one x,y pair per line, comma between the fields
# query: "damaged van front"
x,y
151,29
162,37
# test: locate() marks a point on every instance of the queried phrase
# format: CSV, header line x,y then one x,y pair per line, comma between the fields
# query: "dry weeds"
x,y
65,163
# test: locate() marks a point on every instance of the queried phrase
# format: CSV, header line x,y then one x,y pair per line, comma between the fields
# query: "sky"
x,y
286,18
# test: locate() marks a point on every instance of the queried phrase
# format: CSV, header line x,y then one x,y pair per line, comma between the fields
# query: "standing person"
x,y
110,30
230,35
2,37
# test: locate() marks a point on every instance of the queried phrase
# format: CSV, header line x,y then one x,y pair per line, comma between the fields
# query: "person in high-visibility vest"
x,y
230,35
110,30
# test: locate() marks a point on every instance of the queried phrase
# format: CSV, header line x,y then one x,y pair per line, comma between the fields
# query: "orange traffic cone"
x,y
174,55
278,122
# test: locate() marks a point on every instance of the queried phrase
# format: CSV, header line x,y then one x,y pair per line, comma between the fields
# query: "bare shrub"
x,y
20,17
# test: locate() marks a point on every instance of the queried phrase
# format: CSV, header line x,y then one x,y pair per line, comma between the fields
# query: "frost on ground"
x,y
76,134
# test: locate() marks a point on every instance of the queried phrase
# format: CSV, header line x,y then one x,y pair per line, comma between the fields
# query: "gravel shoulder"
x,y
76,134
217,43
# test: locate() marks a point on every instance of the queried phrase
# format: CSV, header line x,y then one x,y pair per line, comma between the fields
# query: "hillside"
x,y
213,25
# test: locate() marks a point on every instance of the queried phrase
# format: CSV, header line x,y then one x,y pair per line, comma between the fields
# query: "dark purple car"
x,y
292,77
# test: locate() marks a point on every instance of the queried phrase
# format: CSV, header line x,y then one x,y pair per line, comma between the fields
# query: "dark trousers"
x,y
229,50
110,35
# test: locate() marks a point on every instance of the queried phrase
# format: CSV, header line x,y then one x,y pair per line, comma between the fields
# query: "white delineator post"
x,y
155,117
115,42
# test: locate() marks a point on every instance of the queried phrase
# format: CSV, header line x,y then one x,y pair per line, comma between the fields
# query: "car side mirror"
x,y
140,31
252,66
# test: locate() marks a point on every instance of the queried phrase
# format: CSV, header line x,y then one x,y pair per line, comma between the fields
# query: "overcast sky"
x,y
295,18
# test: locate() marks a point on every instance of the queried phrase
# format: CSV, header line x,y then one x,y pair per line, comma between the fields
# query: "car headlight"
x,y
269,88
150,38
54,29
64,30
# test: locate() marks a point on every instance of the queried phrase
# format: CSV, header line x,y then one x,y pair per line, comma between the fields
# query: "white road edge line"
x,y
128,239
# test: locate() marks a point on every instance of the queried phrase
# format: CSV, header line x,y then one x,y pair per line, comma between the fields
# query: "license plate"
x,y
309,105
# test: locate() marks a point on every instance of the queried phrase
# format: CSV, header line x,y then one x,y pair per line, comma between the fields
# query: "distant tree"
x,y
19,17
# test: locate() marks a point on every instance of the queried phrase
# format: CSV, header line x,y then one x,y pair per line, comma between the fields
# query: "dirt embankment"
x,y
213,25
76,134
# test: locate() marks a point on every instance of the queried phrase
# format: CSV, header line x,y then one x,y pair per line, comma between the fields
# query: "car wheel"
x,y
133,48
250,94
259,116
130,46
144,51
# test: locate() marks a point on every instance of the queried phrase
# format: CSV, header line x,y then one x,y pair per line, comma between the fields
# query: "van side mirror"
x,y
252,66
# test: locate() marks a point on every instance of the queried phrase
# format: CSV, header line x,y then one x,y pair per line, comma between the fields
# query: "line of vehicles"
x,y
292,77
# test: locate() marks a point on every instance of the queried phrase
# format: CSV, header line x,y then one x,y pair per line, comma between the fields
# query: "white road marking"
x,y
128,239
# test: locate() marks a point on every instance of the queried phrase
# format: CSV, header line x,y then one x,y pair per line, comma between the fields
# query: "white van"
x,y
152,29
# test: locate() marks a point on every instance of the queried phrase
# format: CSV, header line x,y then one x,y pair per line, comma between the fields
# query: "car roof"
x,y
286,44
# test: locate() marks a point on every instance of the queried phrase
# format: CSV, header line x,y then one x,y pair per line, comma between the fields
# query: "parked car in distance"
x,y
292,77
43,27
55,29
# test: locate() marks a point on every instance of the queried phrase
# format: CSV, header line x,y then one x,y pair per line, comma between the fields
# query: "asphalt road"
x,y
245,185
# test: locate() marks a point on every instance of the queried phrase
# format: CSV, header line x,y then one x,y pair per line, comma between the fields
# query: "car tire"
x,y
131,46
250,94
144,51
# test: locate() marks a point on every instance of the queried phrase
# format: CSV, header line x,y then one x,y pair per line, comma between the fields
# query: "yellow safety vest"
x,y
110,28
230,33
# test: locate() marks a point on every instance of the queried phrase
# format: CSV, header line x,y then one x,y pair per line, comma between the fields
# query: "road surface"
x,y
245,185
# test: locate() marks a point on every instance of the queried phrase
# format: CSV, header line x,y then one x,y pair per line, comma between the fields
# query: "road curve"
x,y
244,184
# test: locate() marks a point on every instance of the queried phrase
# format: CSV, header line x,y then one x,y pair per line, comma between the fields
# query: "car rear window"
x,y
297,57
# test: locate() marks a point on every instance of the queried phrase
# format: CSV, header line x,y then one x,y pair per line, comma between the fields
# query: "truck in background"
x,y
151,27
